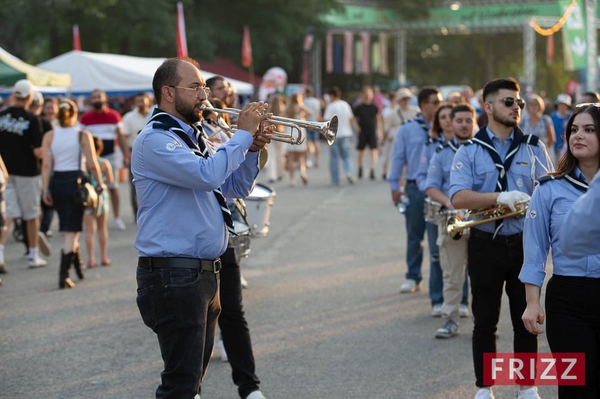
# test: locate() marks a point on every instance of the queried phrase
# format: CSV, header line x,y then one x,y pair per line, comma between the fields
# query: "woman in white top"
x,y
63,150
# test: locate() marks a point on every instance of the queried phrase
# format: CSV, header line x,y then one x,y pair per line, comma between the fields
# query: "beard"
x,y
506,120
97,106
187,110
463,134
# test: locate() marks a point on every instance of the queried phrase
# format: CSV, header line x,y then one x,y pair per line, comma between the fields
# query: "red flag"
x,y
181,41
246,48
550,50
76,42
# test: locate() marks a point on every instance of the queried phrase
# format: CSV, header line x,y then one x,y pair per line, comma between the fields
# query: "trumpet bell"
x,y
330,131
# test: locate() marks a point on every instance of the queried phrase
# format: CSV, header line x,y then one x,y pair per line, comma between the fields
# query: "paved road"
x,y
325,314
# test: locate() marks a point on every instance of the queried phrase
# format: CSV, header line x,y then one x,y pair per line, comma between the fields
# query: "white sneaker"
x,y
436,310
44,244
37,262
531,393
484,393
448,330
49,233
256,395
463,310
410,286
118,224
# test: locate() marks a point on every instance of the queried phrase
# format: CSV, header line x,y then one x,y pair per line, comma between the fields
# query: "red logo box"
x,y
533,369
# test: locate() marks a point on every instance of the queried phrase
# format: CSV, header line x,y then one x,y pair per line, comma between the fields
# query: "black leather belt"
x,y
482,235
411,181
213,266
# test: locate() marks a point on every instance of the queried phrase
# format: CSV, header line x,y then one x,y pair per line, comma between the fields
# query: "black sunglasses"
x,y
509,101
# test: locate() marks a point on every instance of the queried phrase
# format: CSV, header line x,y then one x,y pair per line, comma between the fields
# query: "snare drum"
x,y
431,211
241,242
259,204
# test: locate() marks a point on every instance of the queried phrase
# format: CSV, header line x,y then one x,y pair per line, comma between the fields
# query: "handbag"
x,y
85,194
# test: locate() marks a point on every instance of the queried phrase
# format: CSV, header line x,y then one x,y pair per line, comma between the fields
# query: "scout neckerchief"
x,y
162,120
482,138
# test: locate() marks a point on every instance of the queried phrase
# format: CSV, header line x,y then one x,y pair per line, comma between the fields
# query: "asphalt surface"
x,y
325,313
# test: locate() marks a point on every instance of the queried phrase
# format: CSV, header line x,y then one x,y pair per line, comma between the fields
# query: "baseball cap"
x,y
23,88
563,99
403,93
38,98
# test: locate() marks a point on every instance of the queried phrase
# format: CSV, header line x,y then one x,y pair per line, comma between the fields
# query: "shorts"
x,y
115,164
367,139
22,197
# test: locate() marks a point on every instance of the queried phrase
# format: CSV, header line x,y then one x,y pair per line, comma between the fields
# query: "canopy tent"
x,y
13,69
115,73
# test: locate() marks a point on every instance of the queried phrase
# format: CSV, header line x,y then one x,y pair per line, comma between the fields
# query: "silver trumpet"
x,y
296,137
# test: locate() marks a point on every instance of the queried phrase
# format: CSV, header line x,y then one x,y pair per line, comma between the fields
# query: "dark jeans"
x,y
573,325
234,328
491,265
415,229
181,306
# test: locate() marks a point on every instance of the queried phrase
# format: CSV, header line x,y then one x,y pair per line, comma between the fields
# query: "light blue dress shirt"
x,y
473,169
428,151
179,215
580,235
409,143
546,216
438,174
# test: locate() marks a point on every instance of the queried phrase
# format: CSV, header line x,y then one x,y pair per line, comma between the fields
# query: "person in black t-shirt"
x,y
369,121
20,148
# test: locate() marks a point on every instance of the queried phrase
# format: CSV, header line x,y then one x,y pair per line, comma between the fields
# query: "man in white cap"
x,y
399,112
559,119
21,150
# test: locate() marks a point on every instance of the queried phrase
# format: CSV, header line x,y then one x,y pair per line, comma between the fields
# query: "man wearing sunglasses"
x,y
410,140
498,166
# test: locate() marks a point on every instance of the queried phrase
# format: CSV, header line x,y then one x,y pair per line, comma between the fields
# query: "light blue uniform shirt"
x,y
546,215
409,143
473,169
438,174
179,215
426,154
580,235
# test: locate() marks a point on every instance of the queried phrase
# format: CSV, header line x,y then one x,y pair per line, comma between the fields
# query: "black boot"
x,y
63,275
78,263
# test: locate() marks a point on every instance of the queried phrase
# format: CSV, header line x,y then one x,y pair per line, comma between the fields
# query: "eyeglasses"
x,y
196,89
509,101
597,105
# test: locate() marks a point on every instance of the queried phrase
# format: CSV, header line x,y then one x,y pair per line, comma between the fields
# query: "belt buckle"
x,y
217,265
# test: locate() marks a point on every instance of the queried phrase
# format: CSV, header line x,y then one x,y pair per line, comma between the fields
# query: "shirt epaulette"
x,y
545,179
531,139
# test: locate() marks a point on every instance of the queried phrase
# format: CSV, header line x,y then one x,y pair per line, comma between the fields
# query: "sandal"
x,y
106,262
91,264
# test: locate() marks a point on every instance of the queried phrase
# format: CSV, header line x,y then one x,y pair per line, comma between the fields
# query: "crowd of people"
x,y
491,149
46,145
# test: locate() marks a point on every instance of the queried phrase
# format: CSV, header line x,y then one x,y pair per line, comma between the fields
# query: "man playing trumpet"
x,y
184,221
498,166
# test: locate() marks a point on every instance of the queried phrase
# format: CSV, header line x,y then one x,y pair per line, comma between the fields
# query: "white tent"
x,y
114,73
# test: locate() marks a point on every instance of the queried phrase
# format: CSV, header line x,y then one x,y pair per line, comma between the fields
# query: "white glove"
x,y
510,197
